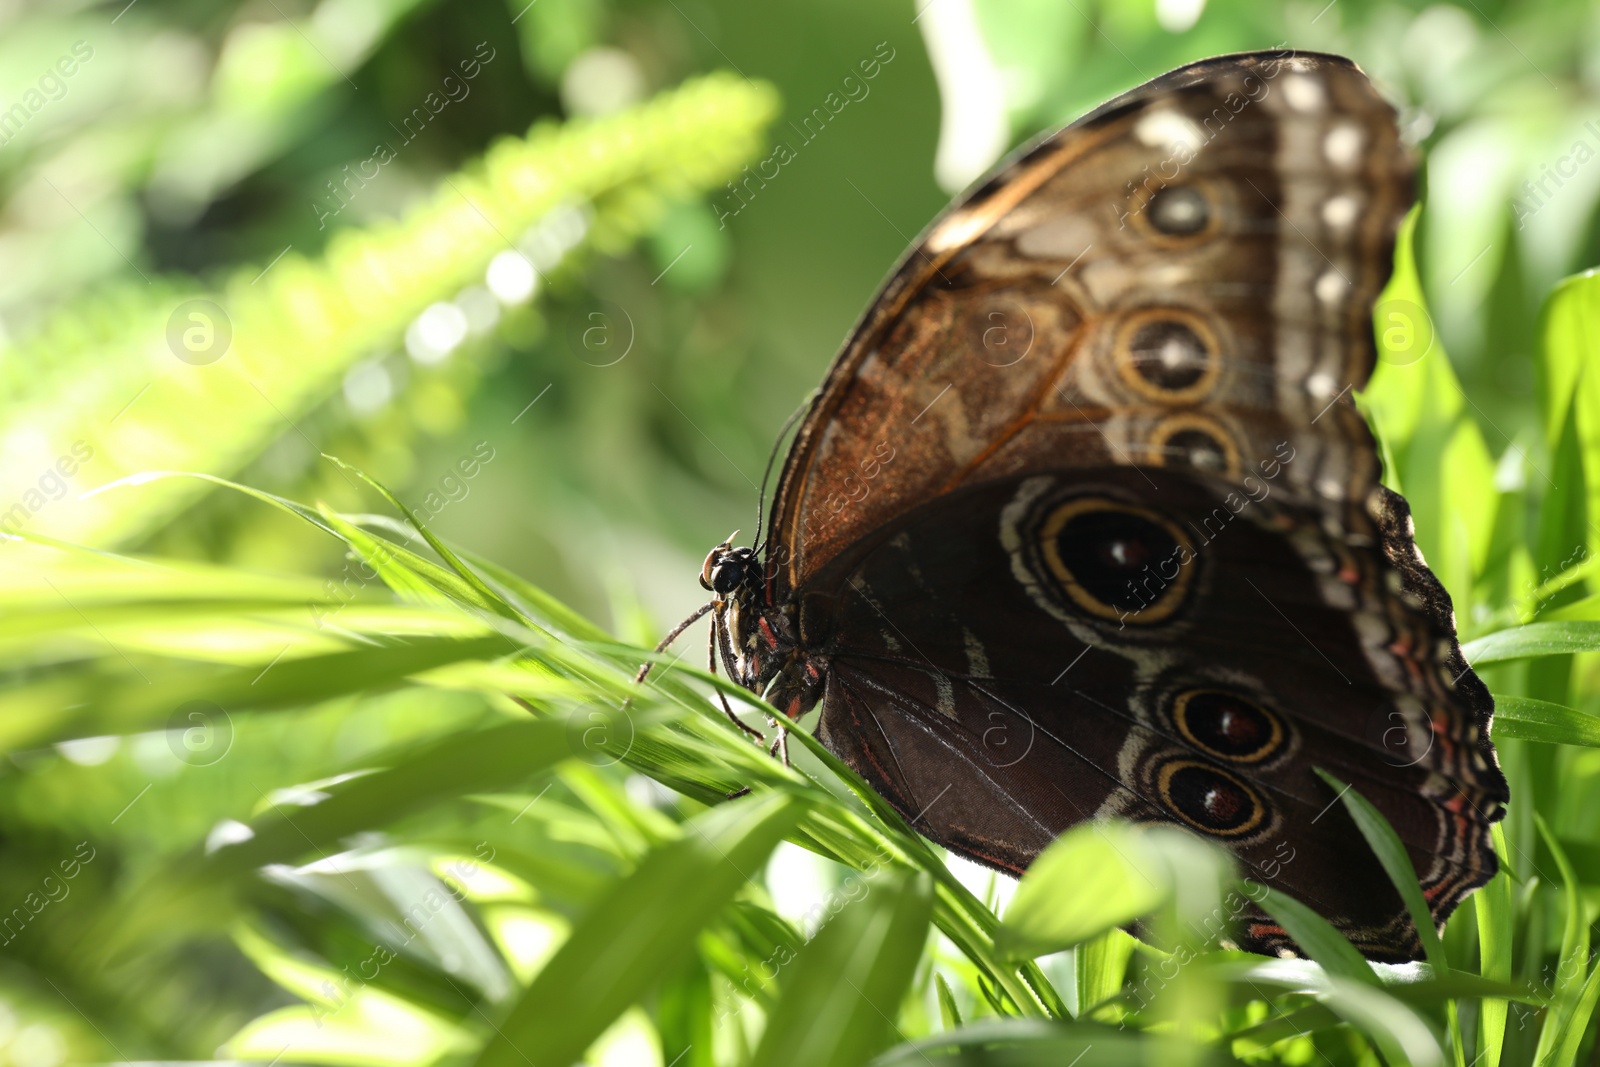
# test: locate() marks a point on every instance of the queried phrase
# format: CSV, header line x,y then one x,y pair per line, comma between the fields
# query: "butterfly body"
x,y
1083,523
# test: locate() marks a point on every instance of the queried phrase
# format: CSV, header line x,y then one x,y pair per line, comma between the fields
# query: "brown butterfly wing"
x,y
1152,319
1025,331
988,700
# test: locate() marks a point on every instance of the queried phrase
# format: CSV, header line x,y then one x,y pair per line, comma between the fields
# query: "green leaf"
x,y
483,761
1379,1012
1493,905
1570,1038
1574,952
949,1012
843,997
298,328
1028,1043
1532,640
1398,1032
1542,720
1391,852
1091,879
1099,966
484,595
1569,397
1315,935
642,928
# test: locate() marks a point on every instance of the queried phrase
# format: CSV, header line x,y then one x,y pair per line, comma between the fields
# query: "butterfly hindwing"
x,y
975,680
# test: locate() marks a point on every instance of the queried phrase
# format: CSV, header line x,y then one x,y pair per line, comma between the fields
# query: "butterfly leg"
x,y
780,744
666,642
711,662
724,640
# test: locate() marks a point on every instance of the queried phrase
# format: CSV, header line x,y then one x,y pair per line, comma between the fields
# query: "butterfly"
x,y
1083,522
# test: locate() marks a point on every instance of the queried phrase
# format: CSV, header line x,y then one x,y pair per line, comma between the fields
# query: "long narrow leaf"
x,y
844,994
1542,720
644,927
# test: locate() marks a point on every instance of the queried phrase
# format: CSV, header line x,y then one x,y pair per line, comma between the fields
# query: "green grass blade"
x,y
1493,906
1315,935
1386,845
1543,720
1565,1054
1533,640
483,761
842,999
645,926
1574,952
949,1012
1391,852
1399,1033
1100,966
1030,1043
495,602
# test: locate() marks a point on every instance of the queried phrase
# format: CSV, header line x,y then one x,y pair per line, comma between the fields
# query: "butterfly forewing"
x,y
1184,276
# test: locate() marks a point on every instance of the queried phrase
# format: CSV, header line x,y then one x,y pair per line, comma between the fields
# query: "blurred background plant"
x,y
507,258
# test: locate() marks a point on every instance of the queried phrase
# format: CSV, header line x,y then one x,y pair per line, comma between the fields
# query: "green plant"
x,y
564,901
341,795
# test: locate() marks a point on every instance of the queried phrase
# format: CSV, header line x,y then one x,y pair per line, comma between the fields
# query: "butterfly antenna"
x,y
772,458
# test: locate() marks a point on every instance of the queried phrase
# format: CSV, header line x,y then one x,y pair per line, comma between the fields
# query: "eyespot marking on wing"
x,y
1105,556
1228,726
1168,355
1209,799
1197,440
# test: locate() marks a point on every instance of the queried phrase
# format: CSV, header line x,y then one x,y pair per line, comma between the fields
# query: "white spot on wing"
x,y
1167,129
1320,384
1331,287
1342,146
1066,237
1304,92
1339,212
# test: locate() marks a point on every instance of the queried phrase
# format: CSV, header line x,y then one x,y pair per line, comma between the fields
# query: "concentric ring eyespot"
x,y
1179,210
1228,726
1169,355
1210,799
1115,560
1178,214
1196,440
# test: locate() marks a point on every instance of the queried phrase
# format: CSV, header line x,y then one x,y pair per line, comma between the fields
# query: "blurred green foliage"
x,y
273,790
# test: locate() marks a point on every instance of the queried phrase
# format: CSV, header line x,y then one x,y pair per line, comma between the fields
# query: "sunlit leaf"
x,y
840,1002
640,929
1540,720
1533,640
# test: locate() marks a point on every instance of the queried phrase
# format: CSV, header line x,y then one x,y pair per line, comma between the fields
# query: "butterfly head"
x,y
728,569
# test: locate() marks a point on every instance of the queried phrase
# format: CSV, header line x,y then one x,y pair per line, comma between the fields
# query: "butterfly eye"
x,y
1227,725
1179,210
1209,799
727,576
1117,561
